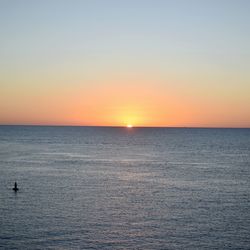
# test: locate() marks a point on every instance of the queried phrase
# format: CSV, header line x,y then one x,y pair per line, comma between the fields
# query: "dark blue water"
x,y
119,188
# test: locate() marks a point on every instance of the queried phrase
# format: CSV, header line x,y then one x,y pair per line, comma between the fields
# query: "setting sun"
x,y
129,126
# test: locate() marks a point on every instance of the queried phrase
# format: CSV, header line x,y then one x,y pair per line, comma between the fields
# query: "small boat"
x,y
15,188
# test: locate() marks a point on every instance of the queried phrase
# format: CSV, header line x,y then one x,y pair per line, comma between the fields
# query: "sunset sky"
x,y
113,62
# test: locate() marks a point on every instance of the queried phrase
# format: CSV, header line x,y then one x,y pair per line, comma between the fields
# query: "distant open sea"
x,y
120,188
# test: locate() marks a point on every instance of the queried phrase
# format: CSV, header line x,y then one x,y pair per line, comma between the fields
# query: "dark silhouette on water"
x,y
15,188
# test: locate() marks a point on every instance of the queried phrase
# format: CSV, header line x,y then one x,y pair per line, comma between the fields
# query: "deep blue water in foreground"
x,y
118,188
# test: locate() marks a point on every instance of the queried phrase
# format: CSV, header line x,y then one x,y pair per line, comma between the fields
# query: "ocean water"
x,y
119,188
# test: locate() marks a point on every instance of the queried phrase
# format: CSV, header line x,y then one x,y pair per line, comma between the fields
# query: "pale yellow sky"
x,y
145,63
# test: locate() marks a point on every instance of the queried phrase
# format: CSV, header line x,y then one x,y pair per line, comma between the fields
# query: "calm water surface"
x,y
118,188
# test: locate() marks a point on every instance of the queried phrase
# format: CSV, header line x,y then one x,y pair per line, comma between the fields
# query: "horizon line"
x,y
120,126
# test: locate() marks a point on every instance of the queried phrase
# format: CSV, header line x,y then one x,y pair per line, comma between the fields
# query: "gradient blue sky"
x,y
197,52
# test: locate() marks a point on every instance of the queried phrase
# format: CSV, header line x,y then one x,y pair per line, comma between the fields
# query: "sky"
x,y
173,63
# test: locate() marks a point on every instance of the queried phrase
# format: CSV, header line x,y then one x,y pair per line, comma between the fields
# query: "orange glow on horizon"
x,y
139,103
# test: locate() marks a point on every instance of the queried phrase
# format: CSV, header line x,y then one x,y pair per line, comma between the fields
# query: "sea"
x,y
124,188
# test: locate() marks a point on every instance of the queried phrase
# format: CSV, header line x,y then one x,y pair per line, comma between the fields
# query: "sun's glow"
x,y
129,126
